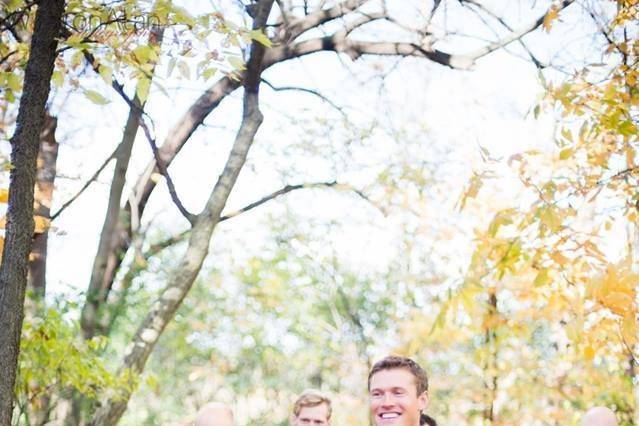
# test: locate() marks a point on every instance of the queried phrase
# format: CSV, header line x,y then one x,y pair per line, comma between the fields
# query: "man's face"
x,y
313,416
394,400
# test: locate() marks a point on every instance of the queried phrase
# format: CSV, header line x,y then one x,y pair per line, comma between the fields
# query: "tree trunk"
x,y
19,231
45,178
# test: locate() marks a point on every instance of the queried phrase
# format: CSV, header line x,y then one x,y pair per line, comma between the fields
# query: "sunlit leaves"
x,y
616,290
96,97
53,357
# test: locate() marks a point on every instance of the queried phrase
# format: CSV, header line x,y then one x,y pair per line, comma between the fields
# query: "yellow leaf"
x,y
589,353
630,329
41,224
474,186
566,153
630,157
618,302
559,258
552,14
4,195
542,278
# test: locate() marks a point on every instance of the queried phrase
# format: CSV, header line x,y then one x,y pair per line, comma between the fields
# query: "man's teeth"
x,y
389,415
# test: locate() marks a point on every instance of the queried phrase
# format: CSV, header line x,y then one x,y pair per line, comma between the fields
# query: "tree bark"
x,y
182,278
45,178
19,232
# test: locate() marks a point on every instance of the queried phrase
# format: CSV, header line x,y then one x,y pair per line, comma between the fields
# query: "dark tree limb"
x,y
19,232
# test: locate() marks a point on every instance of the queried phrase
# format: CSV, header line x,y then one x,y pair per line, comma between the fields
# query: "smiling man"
x,y
398,390
312,408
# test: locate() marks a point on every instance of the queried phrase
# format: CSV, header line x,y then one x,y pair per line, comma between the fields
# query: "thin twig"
x,y
163,170
86,185
305,90
289,188
159,246
501,20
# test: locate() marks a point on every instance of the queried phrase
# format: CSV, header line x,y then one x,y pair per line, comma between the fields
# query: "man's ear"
x,y
422,401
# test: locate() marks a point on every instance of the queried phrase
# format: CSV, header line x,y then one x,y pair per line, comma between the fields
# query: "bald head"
x,y
214,414
599,416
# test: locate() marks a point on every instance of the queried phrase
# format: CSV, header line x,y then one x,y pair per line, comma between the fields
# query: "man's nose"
x,y
387,399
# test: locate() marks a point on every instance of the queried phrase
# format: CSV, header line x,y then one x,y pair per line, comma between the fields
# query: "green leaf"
x,y
260,37
237,63
142,89
541,278
144,54
96,97
14,82
208,73
566,153
106,72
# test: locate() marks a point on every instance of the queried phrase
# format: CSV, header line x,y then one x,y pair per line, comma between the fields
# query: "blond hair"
x,y
312,398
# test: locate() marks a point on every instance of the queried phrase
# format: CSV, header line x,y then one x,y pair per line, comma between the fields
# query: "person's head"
x,y
599,416
214,414
312,408
398,389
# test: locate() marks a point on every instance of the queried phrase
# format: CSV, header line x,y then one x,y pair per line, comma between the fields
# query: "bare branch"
x,y
339,43
7,56
305,90
88,183
520,33
322,16
501,20
363,20
163,170
290,188
608,36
